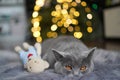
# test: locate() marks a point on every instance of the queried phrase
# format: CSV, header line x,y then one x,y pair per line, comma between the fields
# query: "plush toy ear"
x,y
38,48
26,45
18,49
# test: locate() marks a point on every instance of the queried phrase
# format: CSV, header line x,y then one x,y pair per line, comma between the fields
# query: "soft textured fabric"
x,y
106,68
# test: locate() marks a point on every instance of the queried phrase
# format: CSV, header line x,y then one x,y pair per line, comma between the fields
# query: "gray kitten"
x,y
68,56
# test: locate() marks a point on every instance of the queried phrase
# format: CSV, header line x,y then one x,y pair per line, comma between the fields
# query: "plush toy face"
x,y
36,64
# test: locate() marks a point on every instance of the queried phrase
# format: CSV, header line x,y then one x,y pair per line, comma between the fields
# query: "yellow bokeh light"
x,y
74,4
37,19
66,24
53,13
72,10
77,28
54,34
78,35
39,39
34,29
35,14
58,7
49,34
59,23
54,27
89,29
65,6
68,21
68,1
89,16
60,1
40,2
37,8
83,3
70,29
36,34
54,20
87,9
63,30
64,11
76,13
36,24
78,1
88,23
74,21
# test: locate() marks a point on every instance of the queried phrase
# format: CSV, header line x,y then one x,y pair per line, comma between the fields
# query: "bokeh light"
x,y
36,34
54,27
39,39
89,16
89,29
83,3
78,35
35,14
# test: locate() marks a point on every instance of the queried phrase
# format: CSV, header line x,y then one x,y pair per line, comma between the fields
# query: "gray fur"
x,y
66,50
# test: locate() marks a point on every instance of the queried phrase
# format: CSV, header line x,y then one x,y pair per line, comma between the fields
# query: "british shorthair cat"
x,y
68,56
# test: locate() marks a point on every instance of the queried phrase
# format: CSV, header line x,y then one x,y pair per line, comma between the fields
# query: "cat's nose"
x,y
76,73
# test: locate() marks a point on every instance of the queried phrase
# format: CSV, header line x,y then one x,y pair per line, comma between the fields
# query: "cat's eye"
x,y
83,68
68,67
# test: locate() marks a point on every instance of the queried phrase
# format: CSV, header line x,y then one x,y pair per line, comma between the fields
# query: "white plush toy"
x,y
32,57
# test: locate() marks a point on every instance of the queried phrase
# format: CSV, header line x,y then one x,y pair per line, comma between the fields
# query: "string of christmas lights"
x,y
36,18
64,18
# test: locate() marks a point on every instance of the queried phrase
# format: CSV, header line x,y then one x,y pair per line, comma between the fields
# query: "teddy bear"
x,y
31,57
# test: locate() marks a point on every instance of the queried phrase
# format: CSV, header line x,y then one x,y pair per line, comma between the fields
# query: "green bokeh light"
x,y
95,6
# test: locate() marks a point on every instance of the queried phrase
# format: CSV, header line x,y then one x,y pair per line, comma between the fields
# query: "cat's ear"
x,y
58,54
91,52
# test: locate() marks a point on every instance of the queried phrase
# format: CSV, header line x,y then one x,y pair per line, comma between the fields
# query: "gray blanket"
x,y
105,68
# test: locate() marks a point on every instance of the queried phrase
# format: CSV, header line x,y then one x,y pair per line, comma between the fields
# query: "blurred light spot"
x,y
78,1
64,11
36,29
63,30
89,16
35,14
37,19
60,1
83,3
89,29
78,35
40,2
77,28
65,5
74,4
54,34
36,24
76,13
87,9
39,39
36,34
74,21
36,8
54,27
68,21
58,7
66,24
59,24
95,6
70,29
